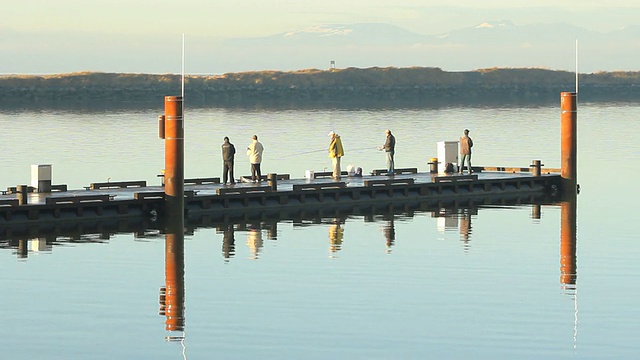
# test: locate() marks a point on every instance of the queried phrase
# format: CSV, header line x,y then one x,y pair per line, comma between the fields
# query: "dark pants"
x,y
227,172
255,172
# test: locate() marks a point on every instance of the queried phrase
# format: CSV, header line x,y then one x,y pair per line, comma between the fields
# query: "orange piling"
x,y
172,130
174,154
569,130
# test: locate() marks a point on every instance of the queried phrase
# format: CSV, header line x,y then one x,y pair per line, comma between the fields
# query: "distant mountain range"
x,y
371,34
486,45
504,32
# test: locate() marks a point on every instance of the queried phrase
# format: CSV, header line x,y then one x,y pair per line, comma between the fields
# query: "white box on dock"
x,y
309,174
447,153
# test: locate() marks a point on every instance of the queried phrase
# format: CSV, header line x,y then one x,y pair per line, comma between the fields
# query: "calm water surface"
x,y
481,283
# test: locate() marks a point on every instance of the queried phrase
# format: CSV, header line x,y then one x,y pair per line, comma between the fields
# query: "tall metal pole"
x,y
569,137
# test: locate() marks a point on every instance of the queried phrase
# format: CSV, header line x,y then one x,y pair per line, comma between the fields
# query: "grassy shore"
x,y
386,87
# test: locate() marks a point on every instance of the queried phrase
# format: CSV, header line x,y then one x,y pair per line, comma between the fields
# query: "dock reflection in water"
x,y
448,219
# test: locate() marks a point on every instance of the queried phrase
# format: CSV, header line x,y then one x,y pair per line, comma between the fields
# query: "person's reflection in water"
x,y
389,231
272,230
465,229
228,242
254,240
336,235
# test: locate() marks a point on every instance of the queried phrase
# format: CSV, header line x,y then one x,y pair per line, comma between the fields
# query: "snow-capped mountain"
x,y
506,32
344,34
487,44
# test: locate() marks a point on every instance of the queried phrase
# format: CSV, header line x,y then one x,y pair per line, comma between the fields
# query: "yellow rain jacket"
x,y
335,148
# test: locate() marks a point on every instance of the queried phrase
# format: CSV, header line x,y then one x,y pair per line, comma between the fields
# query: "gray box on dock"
x,y
41,177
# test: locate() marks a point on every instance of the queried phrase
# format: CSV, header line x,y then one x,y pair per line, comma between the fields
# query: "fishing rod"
x,y
325,150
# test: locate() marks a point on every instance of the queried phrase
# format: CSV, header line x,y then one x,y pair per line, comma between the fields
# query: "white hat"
x,y
331,133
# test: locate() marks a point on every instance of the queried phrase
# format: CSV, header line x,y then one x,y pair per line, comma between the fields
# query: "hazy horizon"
x,y
146,37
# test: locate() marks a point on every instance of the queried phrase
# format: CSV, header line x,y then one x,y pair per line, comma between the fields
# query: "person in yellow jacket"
x,y
335,153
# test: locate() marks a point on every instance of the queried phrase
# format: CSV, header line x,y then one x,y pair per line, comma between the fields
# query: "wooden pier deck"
x,y
131,199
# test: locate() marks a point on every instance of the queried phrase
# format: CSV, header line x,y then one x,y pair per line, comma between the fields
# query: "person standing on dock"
x,y
228,154
335,153
390,148
465,150
254,151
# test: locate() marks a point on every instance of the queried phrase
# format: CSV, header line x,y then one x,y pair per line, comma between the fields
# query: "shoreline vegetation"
x,y
351,87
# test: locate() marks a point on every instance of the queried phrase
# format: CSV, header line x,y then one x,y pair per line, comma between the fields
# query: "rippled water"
x,y
484,282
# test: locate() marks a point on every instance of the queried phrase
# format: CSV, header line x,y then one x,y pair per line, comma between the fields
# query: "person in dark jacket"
x,y
228,152
390,148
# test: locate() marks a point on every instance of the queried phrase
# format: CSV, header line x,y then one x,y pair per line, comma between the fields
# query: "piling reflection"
x,y
23,248
172,295
568,261
568,258
536,211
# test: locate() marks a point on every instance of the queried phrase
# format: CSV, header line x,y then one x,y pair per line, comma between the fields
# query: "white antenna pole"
x,y
576,66
182,68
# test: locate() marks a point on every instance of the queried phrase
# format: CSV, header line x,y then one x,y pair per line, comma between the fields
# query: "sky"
x,y
32,31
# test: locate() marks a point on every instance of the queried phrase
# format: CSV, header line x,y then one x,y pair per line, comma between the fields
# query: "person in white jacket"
x,y
254,151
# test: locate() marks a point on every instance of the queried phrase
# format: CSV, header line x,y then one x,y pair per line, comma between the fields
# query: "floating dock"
x,y
25,212
36,212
